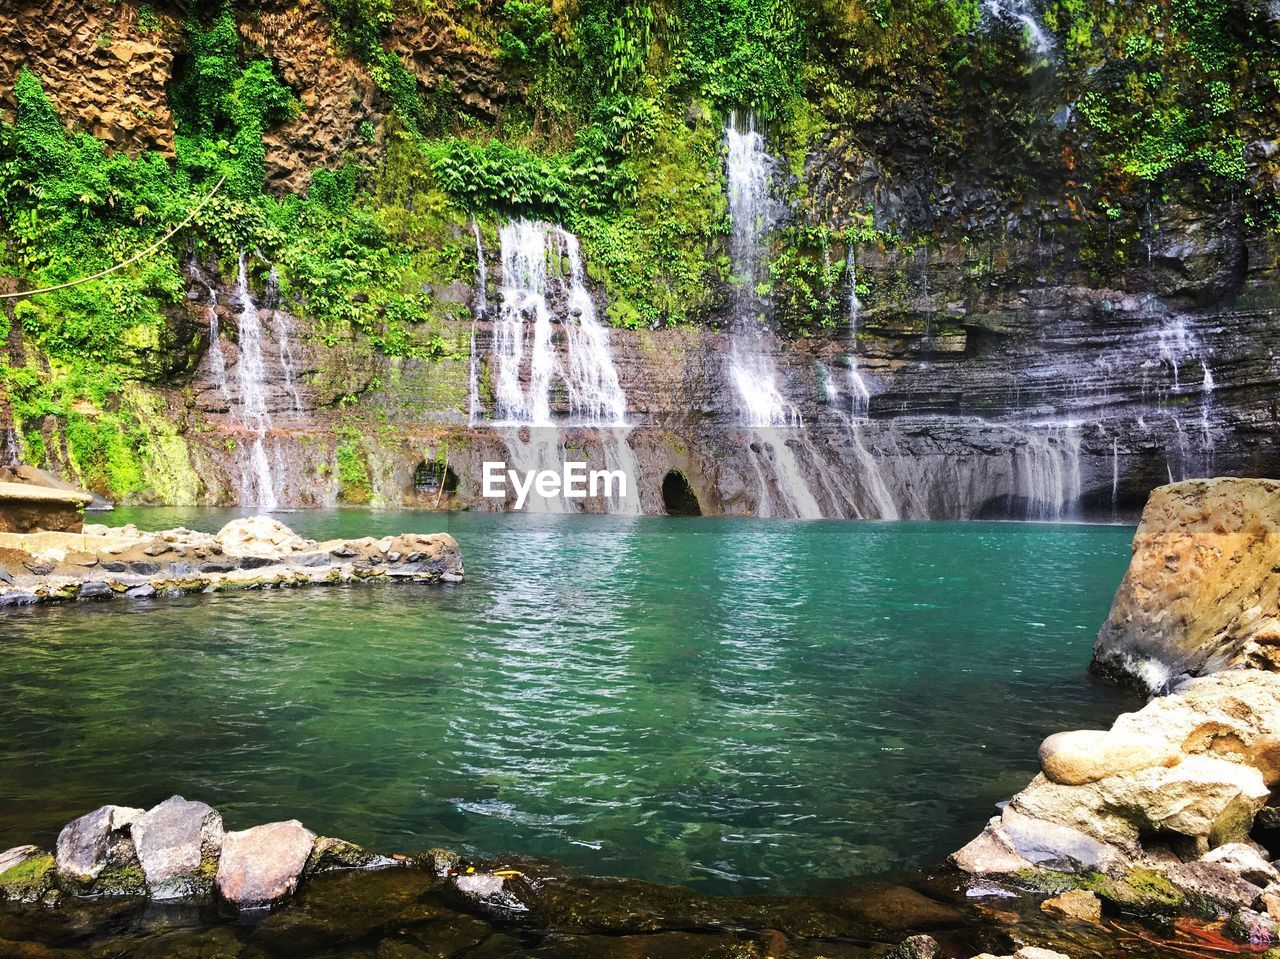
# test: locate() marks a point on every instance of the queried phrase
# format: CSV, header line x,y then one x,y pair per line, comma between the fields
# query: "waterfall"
x,y
1021,12
857,385
216,358
595,396
876,490
481,306
1047,469
528,366
1176,346
749,171
257,485
1115,476
283,332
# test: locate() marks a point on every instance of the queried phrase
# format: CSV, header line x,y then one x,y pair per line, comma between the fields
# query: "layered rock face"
x,y
1006,357
1040,404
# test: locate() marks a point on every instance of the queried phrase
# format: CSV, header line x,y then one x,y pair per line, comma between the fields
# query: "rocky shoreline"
x,y
252,553
118,874
1169,812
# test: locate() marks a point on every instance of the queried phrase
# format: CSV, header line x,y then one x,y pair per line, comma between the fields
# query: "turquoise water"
x,y
739,706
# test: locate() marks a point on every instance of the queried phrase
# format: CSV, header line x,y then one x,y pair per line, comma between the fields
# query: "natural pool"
x,y
739,706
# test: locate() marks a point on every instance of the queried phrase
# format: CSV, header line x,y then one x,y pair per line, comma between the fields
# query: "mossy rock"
x,y
28,881
329,854
123,880
1141,891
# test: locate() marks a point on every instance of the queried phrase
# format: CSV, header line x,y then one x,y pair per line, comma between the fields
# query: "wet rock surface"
x,y
251,553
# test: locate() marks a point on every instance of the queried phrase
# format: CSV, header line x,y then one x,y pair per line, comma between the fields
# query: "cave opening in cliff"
x,y
430,477
678,497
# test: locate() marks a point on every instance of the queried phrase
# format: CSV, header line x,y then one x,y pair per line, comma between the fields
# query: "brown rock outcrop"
x,y
103,70
337,95
1200,594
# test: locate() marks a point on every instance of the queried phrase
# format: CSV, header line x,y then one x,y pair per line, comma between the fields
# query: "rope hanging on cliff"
x,y
133,259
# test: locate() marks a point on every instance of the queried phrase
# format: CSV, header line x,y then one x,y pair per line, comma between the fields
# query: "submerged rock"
x,y
178,844
329,854
915,947
1074,904
262,865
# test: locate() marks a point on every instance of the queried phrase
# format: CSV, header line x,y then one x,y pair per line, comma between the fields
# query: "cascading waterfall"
x,y
749,170
877,489
524,352
752,209
481,307
1047,469
257,487
1021,12
1177,346
216,358
284,341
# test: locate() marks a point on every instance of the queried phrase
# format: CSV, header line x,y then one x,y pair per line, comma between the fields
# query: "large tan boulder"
x,y
1202,801
1199,595
260,536
1087,755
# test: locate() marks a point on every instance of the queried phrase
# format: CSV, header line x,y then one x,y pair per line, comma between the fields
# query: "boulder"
x,y
915,947
329,854
1074,904
1087,755
1213,884
260,536
96,853
1199,587
178,843
1203,801
1246,862
28,508
262,865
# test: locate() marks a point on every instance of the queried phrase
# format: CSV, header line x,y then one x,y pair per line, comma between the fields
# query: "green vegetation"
x,y
28,880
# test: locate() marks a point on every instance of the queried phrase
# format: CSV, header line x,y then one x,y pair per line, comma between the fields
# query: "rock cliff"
x,y
971,300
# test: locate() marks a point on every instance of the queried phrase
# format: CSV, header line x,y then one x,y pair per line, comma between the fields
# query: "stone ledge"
x,y
251,553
